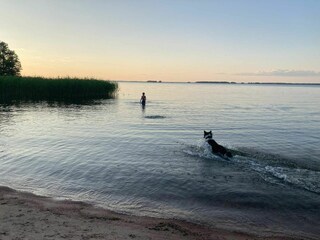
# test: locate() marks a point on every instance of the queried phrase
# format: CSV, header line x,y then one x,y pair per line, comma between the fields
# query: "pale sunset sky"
x,y
168,40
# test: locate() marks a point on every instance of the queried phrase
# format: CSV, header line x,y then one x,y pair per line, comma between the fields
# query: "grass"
x,y
39,88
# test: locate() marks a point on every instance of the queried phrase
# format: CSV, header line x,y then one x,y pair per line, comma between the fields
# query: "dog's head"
x,y
207,135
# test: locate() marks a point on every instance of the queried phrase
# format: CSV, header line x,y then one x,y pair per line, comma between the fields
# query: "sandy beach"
x,y
27,216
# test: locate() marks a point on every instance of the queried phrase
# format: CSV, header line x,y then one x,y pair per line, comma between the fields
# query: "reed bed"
x,y
39,88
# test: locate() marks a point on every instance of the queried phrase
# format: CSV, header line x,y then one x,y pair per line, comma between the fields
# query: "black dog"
x,y
216,148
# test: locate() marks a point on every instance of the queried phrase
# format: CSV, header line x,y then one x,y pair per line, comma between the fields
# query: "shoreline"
x,y
24,215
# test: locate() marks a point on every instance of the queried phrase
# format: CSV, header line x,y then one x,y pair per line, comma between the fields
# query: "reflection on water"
x,y
50,103
153,160
155,117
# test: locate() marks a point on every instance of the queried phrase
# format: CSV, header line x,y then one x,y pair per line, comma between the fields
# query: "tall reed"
x,y
39,88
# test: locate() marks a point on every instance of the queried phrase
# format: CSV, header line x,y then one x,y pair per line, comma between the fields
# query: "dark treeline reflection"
x,y
7,104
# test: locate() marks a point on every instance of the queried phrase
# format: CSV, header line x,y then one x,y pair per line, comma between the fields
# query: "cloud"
x,y
284,73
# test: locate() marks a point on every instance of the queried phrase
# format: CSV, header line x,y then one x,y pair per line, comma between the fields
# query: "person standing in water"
x,y
143,99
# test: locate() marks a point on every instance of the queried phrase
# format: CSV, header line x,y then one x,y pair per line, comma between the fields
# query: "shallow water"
x,y
154,162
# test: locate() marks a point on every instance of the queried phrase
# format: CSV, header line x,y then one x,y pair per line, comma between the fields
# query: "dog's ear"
x,y
204,132
210,132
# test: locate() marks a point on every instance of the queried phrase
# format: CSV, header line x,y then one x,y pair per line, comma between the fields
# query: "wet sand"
x,y
28,216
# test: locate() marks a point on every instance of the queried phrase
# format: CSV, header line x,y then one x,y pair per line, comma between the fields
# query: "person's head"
x,y
143,93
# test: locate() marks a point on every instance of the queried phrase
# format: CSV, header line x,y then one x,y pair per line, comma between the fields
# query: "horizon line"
x,y
218,82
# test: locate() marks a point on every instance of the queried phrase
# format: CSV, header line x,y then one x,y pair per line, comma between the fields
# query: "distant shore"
x,y
262,83
225,82
28,216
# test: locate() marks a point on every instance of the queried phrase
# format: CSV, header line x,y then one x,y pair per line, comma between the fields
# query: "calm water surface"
x,y
154,161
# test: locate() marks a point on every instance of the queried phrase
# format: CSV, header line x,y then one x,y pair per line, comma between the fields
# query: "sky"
x,y
167,40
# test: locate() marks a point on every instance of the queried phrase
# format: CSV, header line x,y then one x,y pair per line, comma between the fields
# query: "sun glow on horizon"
x,y
236,41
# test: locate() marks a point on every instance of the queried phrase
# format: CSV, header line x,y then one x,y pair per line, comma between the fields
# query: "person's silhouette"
x,y
143,99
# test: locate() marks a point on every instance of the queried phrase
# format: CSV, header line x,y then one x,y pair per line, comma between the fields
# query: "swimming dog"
x,y
216,148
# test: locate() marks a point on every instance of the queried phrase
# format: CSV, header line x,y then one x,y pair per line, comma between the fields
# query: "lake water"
x,y
154,161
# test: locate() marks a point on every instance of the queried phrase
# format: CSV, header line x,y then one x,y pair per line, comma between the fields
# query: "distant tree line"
x,y
9,61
